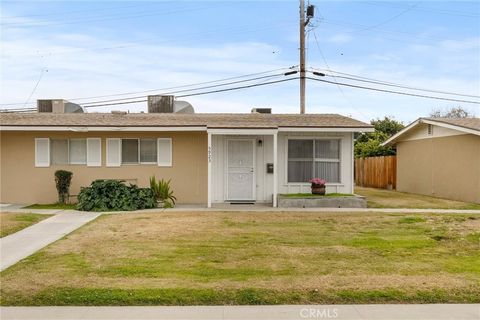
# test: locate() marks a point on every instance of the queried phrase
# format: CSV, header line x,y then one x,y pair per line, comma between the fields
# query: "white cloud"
x,y
340,38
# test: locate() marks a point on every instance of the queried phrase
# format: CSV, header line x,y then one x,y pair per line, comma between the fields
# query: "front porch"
x,y
242,167
255,165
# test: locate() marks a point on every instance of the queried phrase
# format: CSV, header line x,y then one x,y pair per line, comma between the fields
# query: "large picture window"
x,y
313,158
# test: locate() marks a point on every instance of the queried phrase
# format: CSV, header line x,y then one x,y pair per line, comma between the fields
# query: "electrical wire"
x,y
169,88
338,87
394,92
195,89
199,93
99,19
391,84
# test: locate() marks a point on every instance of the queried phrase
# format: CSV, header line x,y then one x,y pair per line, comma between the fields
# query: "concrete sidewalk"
x,y
282,312
14,208
25,242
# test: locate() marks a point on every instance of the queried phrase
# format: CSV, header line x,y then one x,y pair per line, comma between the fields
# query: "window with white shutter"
x,y
94,152
164,152
114,152
42,152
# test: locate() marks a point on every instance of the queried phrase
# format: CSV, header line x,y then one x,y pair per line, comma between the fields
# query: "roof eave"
x,y
394,139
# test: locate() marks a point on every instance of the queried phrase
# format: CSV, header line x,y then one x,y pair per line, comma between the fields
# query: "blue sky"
x,y
93,48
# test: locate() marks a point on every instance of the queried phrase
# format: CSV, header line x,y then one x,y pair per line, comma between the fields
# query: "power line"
x,y
168,88
67,12
195,89
375,26
328,68
439,11
199,93
231,31
391,84
394,92
99,19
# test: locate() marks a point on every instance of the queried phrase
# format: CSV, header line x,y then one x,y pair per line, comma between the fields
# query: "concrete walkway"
x,y
246,207
23,243
283,312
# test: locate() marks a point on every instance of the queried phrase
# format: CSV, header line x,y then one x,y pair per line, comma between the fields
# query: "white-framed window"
x,y
313,158
77,151
139,151
128,151
68,151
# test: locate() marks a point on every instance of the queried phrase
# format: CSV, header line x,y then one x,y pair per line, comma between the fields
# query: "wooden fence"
x,y
376,172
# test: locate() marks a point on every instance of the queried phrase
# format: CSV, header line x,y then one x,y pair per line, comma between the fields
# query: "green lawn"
x,y
13,222
381,198
60,206
193,258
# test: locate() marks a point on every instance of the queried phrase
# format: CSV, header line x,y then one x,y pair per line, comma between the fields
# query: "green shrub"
x,y
162,192
62,182
114,195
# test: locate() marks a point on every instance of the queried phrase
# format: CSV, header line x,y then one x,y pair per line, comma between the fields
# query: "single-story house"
x,y
210,158
439,157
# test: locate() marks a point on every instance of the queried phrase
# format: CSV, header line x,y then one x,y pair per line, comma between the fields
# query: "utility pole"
x,y
302,57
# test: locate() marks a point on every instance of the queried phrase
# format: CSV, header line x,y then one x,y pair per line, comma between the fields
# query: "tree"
x,y
369,144
455,112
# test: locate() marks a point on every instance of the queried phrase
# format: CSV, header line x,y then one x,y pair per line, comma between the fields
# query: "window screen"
x,y
59,151
148,150
78,151
129,151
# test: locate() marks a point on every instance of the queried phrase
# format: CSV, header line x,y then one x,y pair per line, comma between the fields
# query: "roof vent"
x,y
58,106
262,110
119,112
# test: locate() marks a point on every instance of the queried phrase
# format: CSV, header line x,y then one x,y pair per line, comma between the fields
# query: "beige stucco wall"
x,y
22,182
446,167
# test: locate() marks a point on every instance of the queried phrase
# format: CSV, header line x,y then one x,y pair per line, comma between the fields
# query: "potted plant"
x,y
163,193
318,186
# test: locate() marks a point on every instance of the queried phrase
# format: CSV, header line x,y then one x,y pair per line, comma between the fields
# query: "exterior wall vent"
x,y
430,129
58,106
262,110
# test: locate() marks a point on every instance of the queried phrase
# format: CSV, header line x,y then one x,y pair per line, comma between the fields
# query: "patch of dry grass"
x,y
13,222
287,254
381,198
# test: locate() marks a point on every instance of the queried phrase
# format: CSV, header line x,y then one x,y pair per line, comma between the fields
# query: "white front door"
x,y
241,169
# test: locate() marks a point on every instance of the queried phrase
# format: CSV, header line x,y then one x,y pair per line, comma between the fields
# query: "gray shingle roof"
x,y
210,120
469,123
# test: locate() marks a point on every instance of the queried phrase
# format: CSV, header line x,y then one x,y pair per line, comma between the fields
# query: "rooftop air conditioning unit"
x,y
262,110
168,104
57,106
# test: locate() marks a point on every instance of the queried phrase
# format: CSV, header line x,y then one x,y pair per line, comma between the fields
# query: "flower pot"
x,y
317,189
160,203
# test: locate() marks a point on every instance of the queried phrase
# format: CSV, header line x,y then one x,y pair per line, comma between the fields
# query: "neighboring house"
x,y
439,157
210,158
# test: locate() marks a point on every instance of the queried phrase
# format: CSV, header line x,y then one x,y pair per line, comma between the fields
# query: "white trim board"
x,y
97,129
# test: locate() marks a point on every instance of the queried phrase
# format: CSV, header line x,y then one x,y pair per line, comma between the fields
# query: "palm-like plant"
x,y
162,191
